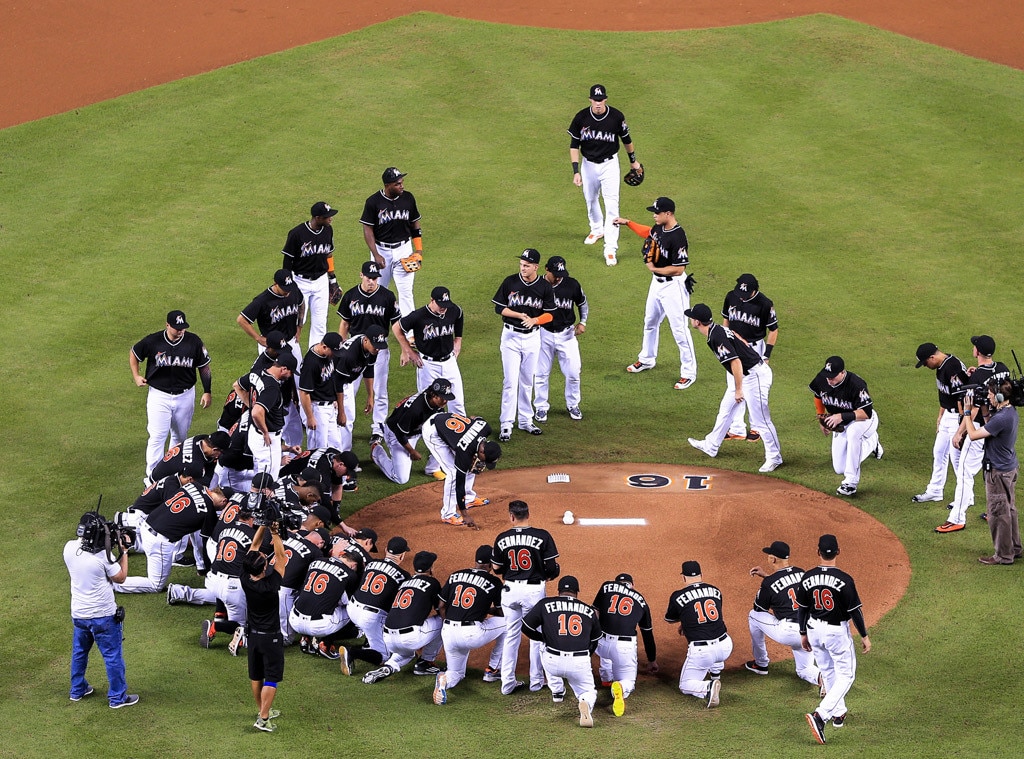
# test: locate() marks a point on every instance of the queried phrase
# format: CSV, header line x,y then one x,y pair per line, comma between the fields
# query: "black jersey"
x,y
849,395
391,218
362,309
978,379
232,545
435,334
317,377
320,459
272,311
416,598
564,624
828,594
778,593
158,492
951,380
525,553
171,366
380,583
350,361
621,609
327,581
698,607
530,298
188,510
189,450
753,318
727,347
266,392
471,595
301,553
263,361
569,297
670,246
232,411
262,605
597,137
305,251
407,419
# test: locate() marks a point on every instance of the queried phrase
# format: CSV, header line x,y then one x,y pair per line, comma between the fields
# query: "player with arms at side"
x,y
309,256
391,229
558,338
621,609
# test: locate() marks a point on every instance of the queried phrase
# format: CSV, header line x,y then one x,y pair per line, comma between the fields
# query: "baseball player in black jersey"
x,y
319,609
568,630
172,356
301,548
365,305
266,408
437,330
471,605
191,508
950,379
205,449
751,316
155,495
621,610
335,468
526,557
666,255
774,614
391,229
972,452
846,412
751,385
460,445
318,395
697,609
595,132
558,338
309,256
351,362
394,456
525,302
828,601
368,607
279,307
412,624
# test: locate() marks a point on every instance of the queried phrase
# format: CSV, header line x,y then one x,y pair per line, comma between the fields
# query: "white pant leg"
x,y
852,446
568,352
576,670
381,408
266,458
398,466
942,453
285,601
654,314
527,371
425,639
159,414
674,301
971,456
788,634
371,622
459,641
393,271
695,668
316,294
756,388
184,407
761,625
446,459
738,427
728,411
590,174
159,558
834,652
318,628
621,662
517,599
326,431
350,414
511,363
609,173
542,372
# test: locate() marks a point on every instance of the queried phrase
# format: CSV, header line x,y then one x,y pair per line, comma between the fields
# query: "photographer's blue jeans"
x,y
107,635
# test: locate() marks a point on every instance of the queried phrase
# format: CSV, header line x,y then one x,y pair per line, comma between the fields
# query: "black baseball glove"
x,y
689,283
334,290
634,177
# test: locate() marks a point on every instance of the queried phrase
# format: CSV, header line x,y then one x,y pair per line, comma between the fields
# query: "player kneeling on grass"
x,y
621,609
261,584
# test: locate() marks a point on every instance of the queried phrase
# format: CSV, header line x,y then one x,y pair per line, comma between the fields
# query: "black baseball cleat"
x,y
756,668
425,668
839,721
817,726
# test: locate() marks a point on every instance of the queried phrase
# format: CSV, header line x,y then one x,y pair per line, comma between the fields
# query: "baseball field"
x,y
872,182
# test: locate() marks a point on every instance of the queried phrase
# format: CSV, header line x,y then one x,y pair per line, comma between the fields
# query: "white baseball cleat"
x,y
586,718
770,466
700,445
593,237
610,259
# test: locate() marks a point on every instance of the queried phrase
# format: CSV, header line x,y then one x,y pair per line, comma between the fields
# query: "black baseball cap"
x,y
282,278
483,554
277,340
219,440
442,387
530,255
828,546
986,345
924,352
287,360
322,209
746,283
397,545
193,469
332,340
492,452
701,312
263,481
367,534
442,297
569,583
377,335
423,561
350,460
624,577
392,175
177,319
598,92
312,476
322,513
663,204
556,265
370,269
778,549
691,569
834,366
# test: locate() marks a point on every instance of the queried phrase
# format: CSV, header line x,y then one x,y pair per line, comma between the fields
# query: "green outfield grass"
x,y
871,182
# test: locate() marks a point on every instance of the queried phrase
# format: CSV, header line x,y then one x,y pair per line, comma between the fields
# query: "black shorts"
x,y
266,656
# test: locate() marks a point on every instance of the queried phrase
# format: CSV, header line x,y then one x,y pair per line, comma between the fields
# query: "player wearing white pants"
x,y
763,625
321,627
517,599
944,454
405,642
832,645
266,450
327,433
667,299
391,230
316,294
159,552
618,661
393,271
167,413
370,621
460,639
852,446
566,347
445,369
572,667
601,180
702,657
445,457
403,429
520,349
972,454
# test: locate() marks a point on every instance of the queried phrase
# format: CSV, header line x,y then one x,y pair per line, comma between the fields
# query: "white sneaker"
x,y
700,445
506,433
637,367
532,428
610,259
770,466
925,497
593,237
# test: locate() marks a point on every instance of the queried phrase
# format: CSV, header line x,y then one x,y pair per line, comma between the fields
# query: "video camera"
x,y
99,534
268,510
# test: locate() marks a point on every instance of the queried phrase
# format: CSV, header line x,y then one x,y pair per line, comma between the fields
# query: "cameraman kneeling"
x,y
93,609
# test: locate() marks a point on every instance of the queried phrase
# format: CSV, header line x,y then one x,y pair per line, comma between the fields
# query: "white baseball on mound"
x,y
568,518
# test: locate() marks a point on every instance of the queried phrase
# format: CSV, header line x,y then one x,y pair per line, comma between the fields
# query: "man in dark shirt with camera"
x,y
261,583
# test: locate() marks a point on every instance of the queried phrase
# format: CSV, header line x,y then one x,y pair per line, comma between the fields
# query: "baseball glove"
x,y
650,250
335,291
634,177
825,428
412,263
